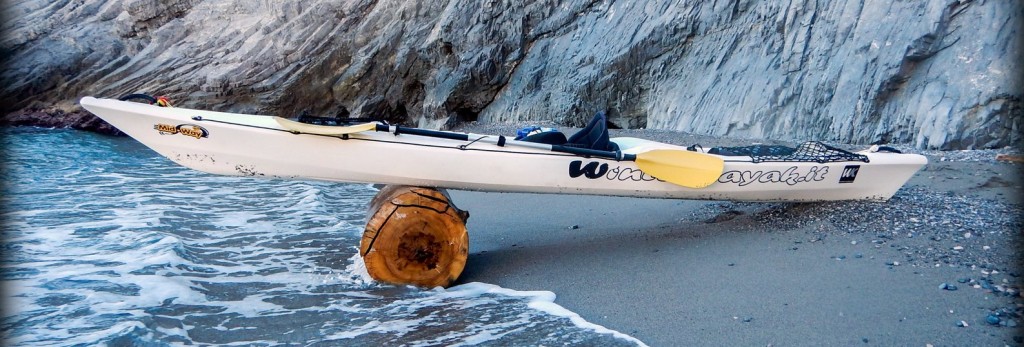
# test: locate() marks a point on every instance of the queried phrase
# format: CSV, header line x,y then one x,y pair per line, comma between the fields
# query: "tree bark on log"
x,y
414,236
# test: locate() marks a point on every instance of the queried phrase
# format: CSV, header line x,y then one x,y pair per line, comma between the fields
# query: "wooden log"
x,y
1007,157
414,236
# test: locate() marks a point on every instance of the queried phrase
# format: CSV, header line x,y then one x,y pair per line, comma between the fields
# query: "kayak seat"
x,y
593,136
549,137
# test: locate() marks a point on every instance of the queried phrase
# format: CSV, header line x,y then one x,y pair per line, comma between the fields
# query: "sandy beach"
x,y
935,265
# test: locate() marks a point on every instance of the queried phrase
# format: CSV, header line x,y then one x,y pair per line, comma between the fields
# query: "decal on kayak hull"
x,y
849,174
595,170
190,130
592,170
791,176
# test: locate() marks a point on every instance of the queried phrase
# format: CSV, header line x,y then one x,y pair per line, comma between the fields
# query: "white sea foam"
x,y
148,251
357,268
543,301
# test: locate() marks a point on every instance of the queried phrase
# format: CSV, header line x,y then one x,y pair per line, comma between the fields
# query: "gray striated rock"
x,y
934,74
57,118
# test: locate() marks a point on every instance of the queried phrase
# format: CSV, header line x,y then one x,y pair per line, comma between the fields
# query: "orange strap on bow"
x,y
163,101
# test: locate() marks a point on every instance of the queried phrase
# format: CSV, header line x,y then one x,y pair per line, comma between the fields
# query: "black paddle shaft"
x,y
585,152
424,132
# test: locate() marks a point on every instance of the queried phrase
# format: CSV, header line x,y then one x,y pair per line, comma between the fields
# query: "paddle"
x,y
324,129
681,167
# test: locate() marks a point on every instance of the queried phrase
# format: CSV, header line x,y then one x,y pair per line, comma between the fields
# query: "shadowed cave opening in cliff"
x,y
465,115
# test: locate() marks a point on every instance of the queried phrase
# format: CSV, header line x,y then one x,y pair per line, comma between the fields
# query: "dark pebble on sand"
x,y
944,285
963,280
992,319
574,227
858,256
748,319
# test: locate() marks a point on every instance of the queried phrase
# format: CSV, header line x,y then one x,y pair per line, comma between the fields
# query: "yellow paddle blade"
x,y
685,168
324,129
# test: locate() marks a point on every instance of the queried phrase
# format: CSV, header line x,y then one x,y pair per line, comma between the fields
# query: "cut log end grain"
x,y
415,236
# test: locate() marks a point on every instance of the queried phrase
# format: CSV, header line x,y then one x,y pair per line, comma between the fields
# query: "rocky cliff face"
x,y
937,74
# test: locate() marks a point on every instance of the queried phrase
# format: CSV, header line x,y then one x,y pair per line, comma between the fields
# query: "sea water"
x,y
106,242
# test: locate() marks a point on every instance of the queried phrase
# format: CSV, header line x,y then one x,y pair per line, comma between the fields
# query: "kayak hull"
x,y
257,146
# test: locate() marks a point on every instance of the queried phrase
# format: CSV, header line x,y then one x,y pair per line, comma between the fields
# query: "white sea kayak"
x,y
268,147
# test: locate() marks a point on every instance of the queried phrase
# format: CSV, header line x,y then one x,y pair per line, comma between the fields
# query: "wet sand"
x,y
674,272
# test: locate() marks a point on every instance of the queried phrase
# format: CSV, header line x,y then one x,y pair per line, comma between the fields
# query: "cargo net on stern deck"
x,y
810,151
